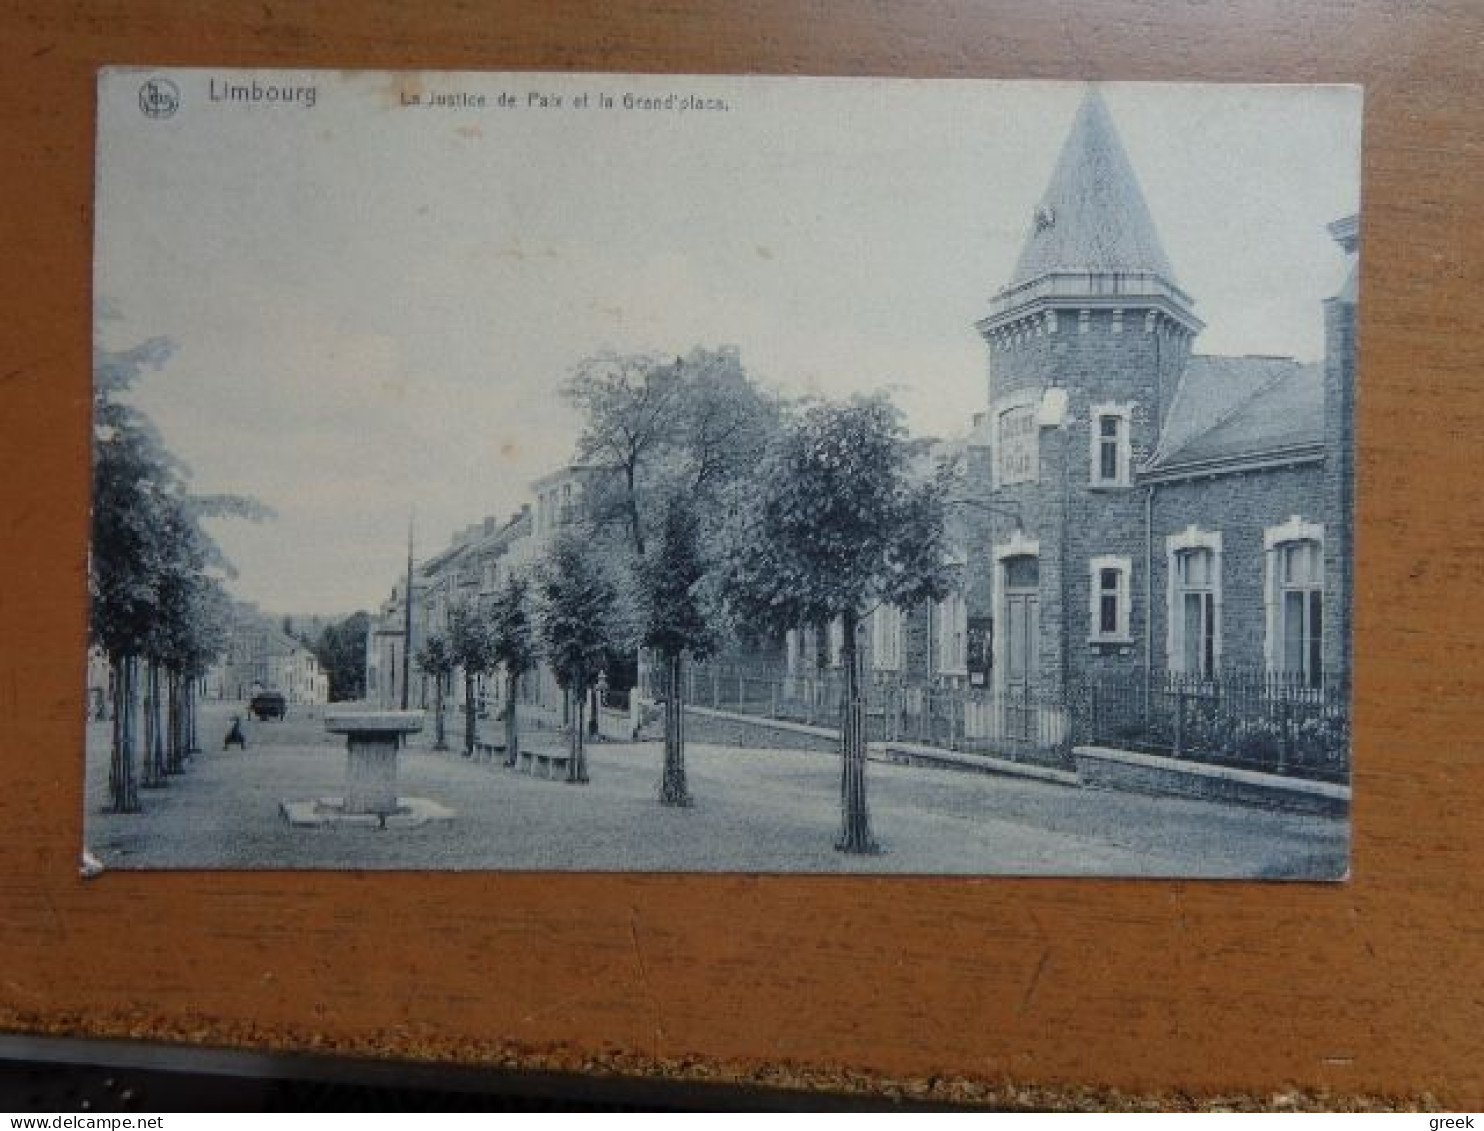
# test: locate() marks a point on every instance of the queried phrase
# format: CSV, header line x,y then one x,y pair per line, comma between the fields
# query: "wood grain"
x,y
1369,986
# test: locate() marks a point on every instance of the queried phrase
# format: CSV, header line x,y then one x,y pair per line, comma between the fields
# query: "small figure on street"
x,y
235,735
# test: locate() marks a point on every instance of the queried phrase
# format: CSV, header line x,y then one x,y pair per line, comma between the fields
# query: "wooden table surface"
x,y
1371,986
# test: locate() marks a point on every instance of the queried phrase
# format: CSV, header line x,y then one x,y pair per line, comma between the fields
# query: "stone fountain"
x,y
373,740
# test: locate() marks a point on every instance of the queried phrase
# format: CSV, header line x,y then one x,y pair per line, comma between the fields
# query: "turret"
x,y
1093,304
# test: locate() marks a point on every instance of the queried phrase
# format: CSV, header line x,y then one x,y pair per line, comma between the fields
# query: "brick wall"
x,y
1241,506
1339,483
1073,520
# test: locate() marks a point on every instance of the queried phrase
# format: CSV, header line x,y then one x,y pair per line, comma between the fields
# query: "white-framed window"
x,y
1017,445
1295,600
1112,455
953,635
1110,577
886,638
1193,635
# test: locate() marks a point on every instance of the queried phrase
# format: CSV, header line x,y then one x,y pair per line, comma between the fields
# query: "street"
x,y
755,811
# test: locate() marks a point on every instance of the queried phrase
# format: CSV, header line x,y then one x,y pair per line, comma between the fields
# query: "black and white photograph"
x,y
655,473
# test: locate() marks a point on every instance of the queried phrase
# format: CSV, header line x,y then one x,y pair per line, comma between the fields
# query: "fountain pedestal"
x,y
372,742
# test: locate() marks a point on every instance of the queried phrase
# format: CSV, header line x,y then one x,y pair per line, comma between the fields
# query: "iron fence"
x,y
1256,720
1020,725
1273,722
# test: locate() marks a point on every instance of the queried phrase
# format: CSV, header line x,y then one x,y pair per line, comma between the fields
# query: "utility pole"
x,y
407,618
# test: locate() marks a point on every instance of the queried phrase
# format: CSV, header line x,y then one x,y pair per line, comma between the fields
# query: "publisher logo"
x,y
159,98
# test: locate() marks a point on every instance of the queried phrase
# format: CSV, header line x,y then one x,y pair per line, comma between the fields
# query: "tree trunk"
x,y
468,714
855,823
123,785
440,739
157,724
193,741
154,746
673,789
512,734
636,524
175,750
577,762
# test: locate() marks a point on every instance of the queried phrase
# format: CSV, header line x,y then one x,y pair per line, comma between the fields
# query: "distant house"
x,y
260,655
475,564
294,669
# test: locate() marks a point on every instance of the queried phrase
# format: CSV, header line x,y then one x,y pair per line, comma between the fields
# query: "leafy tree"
x,y
842,524
660,425
675,624
341,651
188,635
655,427
132,474
472,647
515,651
435,657
153,597
576,629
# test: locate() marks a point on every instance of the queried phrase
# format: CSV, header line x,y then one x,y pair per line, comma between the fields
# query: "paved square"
x,y
755,811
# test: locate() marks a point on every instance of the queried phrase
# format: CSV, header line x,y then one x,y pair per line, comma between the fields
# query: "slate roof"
x,y
1093,217
1229,407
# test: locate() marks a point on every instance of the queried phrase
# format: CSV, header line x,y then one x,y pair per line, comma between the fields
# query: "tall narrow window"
x,y
1109,582
1301,609
1195,578
1108,448
1193,611
1295,601
1111,452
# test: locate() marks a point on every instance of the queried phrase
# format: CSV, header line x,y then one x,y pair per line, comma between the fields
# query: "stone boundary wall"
x,y
702,724
1101,767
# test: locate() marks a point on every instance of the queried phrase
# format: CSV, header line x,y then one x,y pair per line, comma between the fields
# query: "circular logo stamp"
x,y
159,98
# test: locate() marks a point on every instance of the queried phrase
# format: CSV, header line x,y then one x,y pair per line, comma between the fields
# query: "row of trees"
x,y
158,609
718,511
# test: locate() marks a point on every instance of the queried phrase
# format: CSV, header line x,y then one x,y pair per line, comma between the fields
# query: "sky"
x,y
375,301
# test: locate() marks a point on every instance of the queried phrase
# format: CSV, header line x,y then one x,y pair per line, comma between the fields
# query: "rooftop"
x,y
1228,407
1092,218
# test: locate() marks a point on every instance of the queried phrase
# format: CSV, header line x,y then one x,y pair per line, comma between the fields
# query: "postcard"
x,y
602,472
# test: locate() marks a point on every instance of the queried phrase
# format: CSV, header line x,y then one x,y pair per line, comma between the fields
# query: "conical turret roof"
x,y
1092,218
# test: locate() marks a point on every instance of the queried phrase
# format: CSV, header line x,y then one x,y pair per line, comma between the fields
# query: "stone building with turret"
x,y
1148,508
